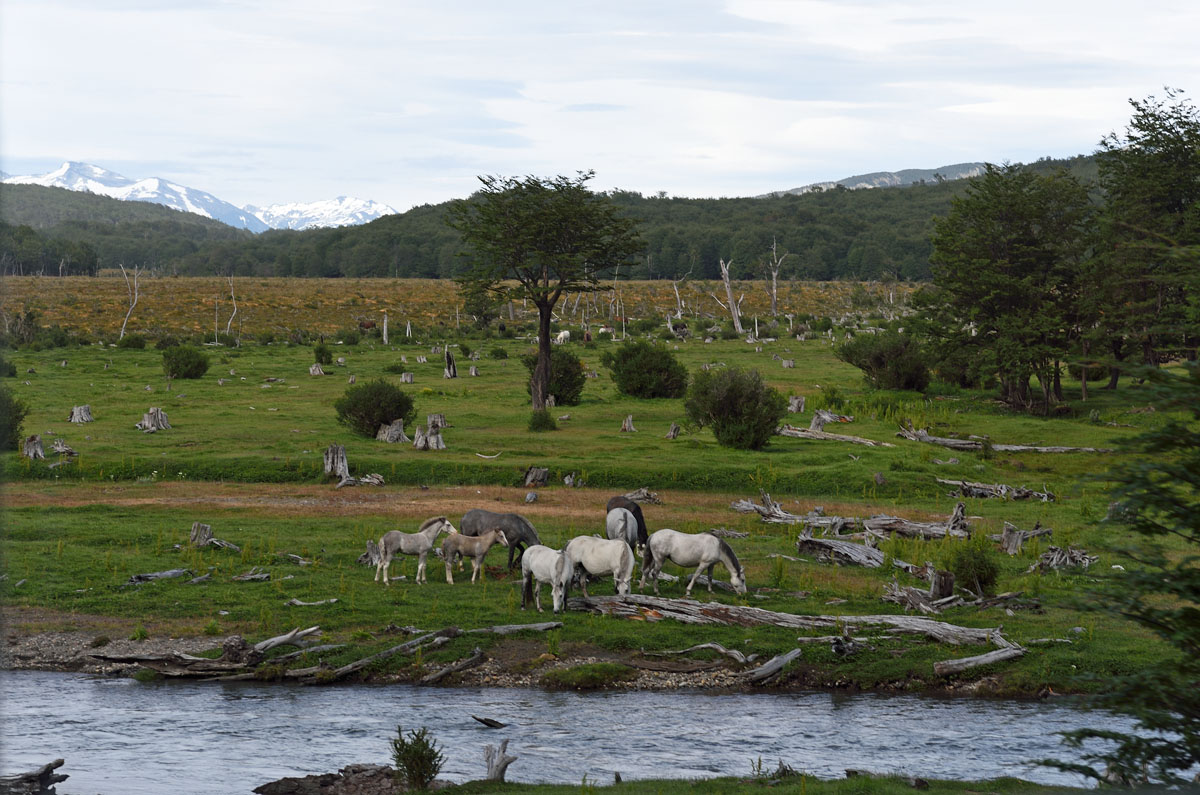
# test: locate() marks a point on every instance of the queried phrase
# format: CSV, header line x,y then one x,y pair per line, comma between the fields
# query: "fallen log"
x,y
773,666
428,641
653,608
643,495
256,574
732,654
298,603
770,511
955,526
35,782
138,579
509,629
966,488
946,667
475,658
975,444
825,436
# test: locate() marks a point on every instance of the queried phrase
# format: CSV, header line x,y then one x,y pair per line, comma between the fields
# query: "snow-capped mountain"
x,y
93,179
891,179
342,211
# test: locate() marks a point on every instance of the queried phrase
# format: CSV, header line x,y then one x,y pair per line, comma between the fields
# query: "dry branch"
x,y
497,760
643,495
966,488
976,444
475,658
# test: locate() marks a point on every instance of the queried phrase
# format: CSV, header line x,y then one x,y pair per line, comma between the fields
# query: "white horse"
x,y
473,546
540,565
418,543
621,524
599,556
561,337
685,549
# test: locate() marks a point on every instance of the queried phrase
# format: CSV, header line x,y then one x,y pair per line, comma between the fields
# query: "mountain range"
x,y
892,179
342,211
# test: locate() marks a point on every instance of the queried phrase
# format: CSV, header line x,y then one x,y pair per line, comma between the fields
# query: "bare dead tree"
x,y
733,307
774,265
232,297
679,301
134,294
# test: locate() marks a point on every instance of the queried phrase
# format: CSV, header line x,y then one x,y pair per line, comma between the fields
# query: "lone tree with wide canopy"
x,y
550,236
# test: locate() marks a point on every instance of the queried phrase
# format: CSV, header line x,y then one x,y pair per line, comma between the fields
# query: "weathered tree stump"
x,y
436,422
155,419
474,371
32,448
335,462
61,447
673,431
796,404
341,361
201,536
315,369
550,401
942,585
788,363
392,433
1012,539
429,439
451,370
627,425
81,414
406,378
421,360
497,760
351,380
536,476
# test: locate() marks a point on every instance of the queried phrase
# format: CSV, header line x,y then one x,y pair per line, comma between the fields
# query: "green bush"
x,y
498,353
349,336
742,410
566,375
134,341
888,360
322,354
184,362
542,421
162,343
364,407
7,369
645,370
590,676
417,758
974,564
12,414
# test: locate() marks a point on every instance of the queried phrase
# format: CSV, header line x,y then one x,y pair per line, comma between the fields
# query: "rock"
x,y
350,780
531,496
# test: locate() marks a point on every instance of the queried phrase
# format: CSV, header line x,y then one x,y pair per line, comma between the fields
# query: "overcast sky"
x,y
267,101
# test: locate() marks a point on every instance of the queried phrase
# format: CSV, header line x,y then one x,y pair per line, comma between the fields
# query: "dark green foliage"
x,y
322,354
742,410
498,353
975,564
12,414
396,368
1159,499
134,341
364,407
888,360
184,361
417,758
162,343
645,370
350,336
589,676
482,304
566,375
541,420
7,369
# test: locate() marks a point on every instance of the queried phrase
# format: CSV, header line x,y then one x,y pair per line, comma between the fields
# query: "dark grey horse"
x,y
518,531
621,501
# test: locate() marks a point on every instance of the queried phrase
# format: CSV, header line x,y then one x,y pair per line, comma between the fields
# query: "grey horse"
x,y
518,531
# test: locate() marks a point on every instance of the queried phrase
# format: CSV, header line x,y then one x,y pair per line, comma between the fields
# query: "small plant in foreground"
x,y
140,633
541,420
417,758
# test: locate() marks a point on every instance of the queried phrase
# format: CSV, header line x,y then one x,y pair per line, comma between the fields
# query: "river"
x,y
122,736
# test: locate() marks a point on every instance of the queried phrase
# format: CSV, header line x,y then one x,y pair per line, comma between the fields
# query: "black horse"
x,y
518,531
621,501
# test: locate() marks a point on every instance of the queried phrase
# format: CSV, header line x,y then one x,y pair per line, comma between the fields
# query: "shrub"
x,y
464,350
742,410
349,336
12,414
322,354
135,341
162,343
974,565
184,362
645,370
498,353
417,758
566,375
7,369
888,360
542,421
364,407
397,368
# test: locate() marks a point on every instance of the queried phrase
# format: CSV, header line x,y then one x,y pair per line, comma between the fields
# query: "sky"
x,y
271,101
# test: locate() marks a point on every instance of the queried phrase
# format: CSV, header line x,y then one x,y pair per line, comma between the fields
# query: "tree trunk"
x,y
627,425
540,384
155,419
451,370
673,432
81,414
336,463
734,308
32,448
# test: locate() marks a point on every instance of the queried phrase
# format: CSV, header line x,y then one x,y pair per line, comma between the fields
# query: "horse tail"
x,y
527,587
647,557
642,535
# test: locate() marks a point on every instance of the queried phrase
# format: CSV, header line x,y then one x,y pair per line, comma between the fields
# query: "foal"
x,y
474,547
418,543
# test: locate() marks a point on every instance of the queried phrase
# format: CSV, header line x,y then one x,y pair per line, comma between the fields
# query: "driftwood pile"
x,y
1057,558
879,525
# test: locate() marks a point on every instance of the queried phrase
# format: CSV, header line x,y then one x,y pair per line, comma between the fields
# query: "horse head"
x,y
448,528
558,583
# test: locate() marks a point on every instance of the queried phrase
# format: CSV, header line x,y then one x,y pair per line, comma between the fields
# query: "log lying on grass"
x,y
838,552
35,782
138,579
816,430
946,667
429,640
770,511
643,495
371,479
966,488
202,536
955,526
732,654
976,443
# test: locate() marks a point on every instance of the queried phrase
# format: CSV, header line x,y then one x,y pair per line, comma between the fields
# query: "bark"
x,y
81,414
497,760
336,463
31,448
155,419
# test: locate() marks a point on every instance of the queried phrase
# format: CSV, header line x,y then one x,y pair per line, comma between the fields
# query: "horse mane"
x,y
727,552
425,525
529,524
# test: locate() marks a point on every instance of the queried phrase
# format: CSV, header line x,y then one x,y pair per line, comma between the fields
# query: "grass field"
x,y
246,457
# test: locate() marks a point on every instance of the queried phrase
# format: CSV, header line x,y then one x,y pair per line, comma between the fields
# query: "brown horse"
x,y
474,547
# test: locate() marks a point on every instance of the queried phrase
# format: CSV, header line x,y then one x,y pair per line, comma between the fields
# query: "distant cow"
x,y
561,337
366,325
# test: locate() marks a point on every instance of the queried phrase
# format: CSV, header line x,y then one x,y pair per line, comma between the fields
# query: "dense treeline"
x,y
860,234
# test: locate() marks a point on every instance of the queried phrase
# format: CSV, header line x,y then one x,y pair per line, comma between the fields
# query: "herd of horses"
x,y
582,558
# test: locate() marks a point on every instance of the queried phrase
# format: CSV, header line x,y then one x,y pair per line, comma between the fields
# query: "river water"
x,y
122,736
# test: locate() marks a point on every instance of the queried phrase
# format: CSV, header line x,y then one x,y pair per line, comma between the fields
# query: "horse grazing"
x,y
474,547
621,524
518,531
621,501
418,543
539,565
598,556
685,549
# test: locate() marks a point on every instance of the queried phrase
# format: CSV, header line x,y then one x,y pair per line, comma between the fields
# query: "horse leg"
x,y
692,581
449,573
537,594
710,576
475,566
421,568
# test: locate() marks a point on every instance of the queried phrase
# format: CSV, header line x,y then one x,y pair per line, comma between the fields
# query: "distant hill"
x,y
892,179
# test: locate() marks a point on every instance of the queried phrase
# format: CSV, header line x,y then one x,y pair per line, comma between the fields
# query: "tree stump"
x,y
392,433
32,448
537,476
315,369
627,425
497,760
429,439
474,370
42,780
341,361
81,414
436,422
674,431
421,360
550,402
351,380
155,419
451,370
335,462
406,378
796,404
788,363
942,585
201,534
61,447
